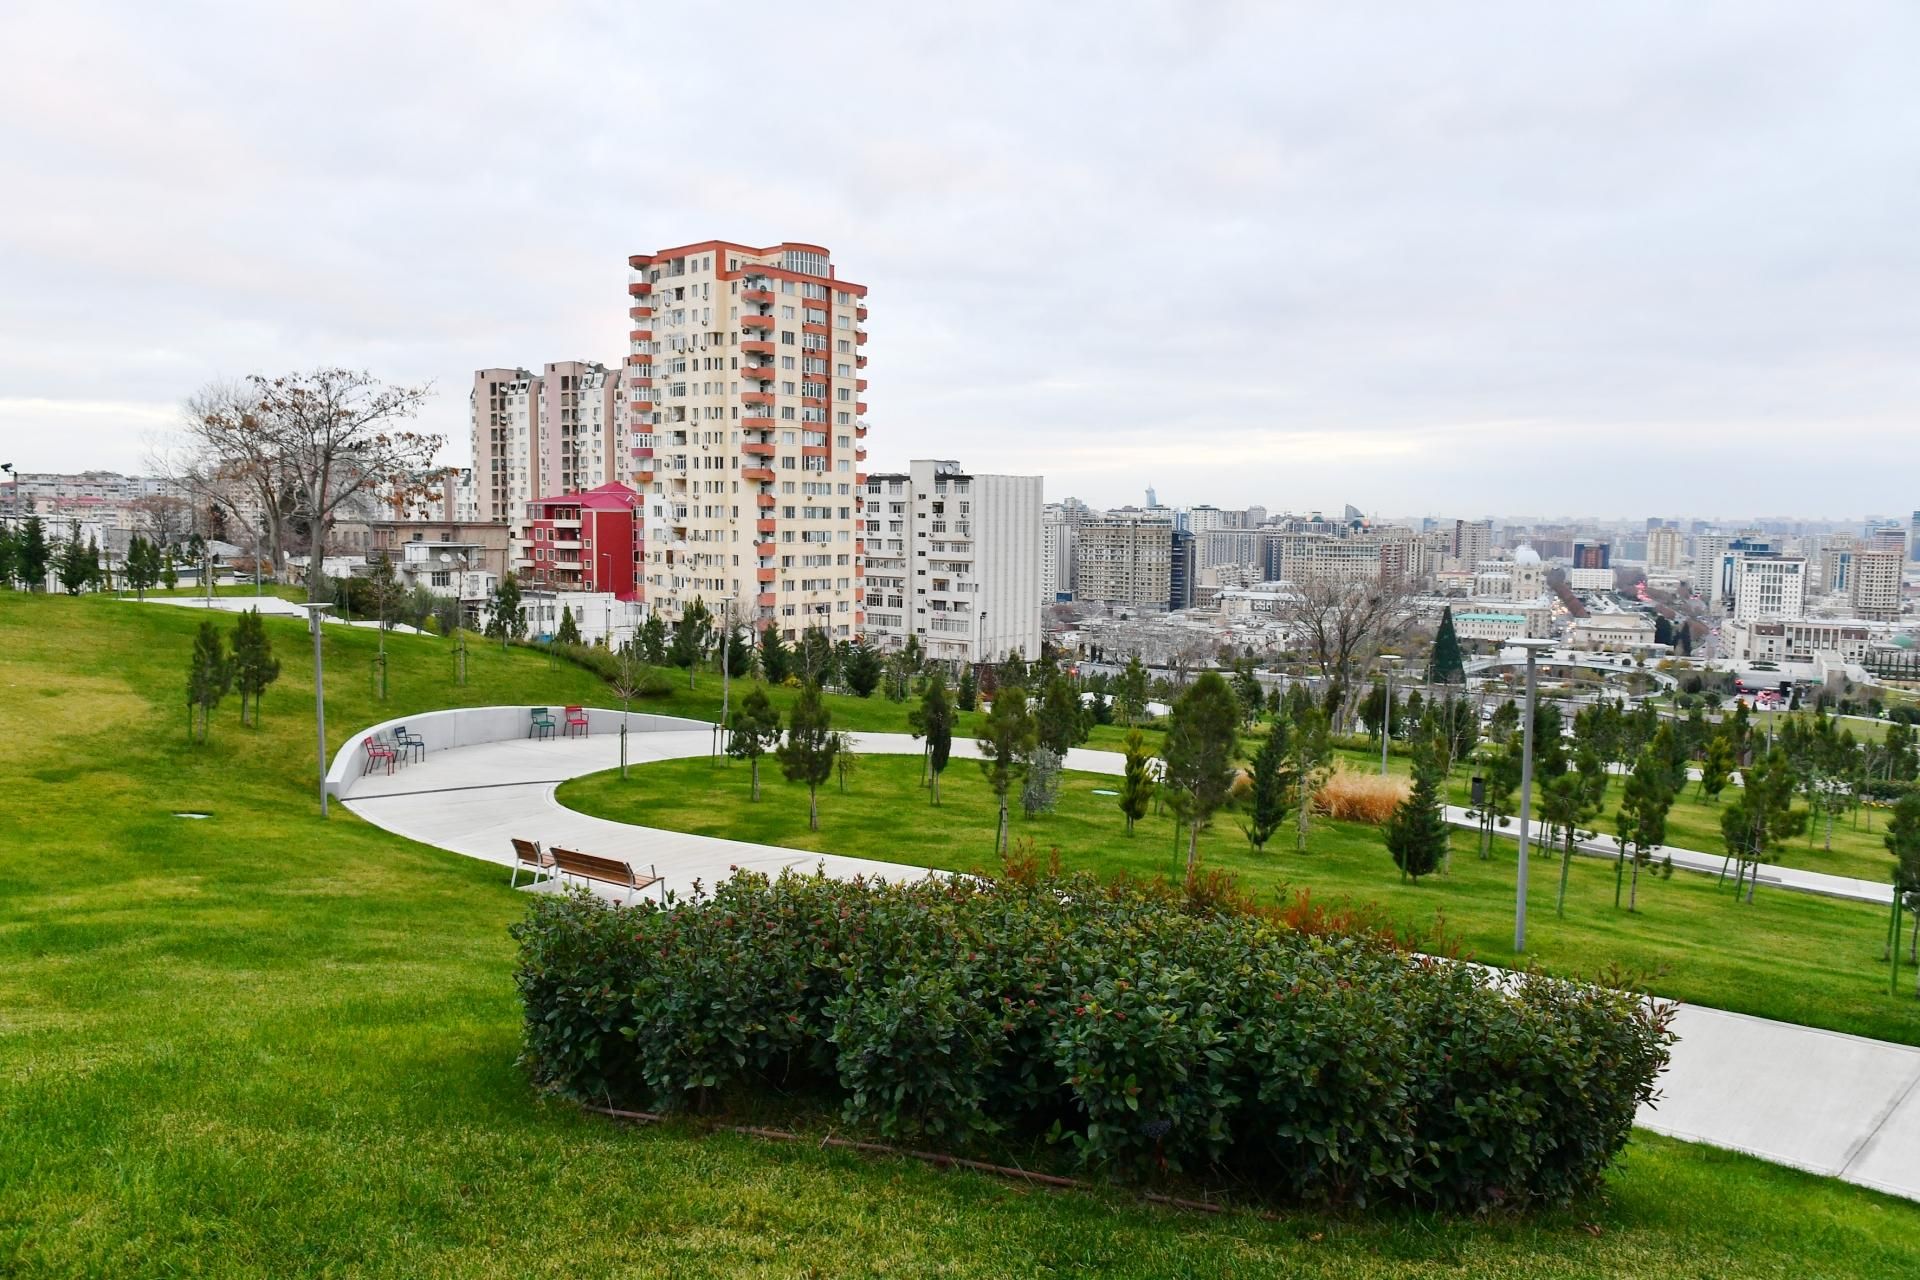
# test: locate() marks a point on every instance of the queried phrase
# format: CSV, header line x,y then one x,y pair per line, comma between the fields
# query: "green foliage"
x,y
1641,824
254,666
1716,766
1270,786
1312,754
933,721
1060,722
506,618
1504,723
1445,664
77,567
736,653
1136,784
1130,693
756,731
568,632
860,667
1567,804
1247,691
1760,819
1199,751
966,695
1138,1035
1007,739
1040,785
690,637
776,659
807,754
652,640
209,676
1417,833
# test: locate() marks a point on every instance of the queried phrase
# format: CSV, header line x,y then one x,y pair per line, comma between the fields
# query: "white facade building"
x,y
1768,587
1874,585
955,558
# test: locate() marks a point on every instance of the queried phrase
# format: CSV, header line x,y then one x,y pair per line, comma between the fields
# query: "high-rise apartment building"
x,y
541,435
1664,546
1126,561
746,433
1769,587
1472,542
1183,569
1592,555
1913,537
1709,550
953,557
1874,588
1059,545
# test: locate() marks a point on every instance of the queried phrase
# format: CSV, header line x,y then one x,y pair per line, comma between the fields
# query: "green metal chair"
x,y
541,724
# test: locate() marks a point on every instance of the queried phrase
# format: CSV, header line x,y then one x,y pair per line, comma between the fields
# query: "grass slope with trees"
x,y
260,1044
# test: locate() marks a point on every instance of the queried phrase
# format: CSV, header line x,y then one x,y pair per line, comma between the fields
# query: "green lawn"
x,y
263,1045
1694,823
1789,956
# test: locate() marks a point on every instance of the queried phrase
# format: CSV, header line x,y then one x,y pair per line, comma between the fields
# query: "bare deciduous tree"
x,y
1342,625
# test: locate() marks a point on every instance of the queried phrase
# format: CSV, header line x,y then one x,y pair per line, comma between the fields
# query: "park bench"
x,y
529,856
613,871
540,723
576,719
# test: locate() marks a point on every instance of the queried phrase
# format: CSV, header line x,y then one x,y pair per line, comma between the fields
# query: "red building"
x,y
583,542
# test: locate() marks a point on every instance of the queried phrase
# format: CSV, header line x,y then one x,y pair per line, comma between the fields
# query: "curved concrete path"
x,y
1832,1104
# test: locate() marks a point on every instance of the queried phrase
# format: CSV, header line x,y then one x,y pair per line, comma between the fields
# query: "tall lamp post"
x,y
1533,645
1386,715
314,612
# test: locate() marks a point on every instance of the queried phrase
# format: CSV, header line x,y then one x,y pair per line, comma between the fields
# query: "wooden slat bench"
x,y
613,871
529,856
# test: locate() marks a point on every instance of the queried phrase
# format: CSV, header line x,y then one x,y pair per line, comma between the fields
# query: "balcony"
x,y
818,329
757,475
860,408
859,362
764,575
763,324
767,501
638,289
755,347
860,430
764,524
756,397
759,296
639,313
859,384
764,550
757,422
814,450
759,448
757,372
859,337
860,313
764,600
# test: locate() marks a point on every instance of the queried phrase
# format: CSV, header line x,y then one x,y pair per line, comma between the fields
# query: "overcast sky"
x,y
1448,259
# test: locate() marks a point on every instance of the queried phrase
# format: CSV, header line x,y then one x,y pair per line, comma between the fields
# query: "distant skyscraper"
x,y
1875,584
1184,569
1153,499
1913,538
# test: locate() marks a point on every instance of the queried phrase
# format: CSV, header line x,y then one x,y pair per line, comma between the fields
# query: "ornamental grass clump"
x,y
1359,797
1135,1032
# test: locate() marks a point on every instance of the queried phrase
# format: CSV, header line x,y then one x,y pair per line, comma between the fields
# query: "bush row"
x,y
1139,1036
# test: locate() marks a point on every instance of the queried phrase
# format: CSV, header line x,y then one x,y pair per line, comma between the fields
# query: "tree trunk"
x,y
1633,889
754,764
1566,862
1000,829
1193,848
813,808
1619,872
936,784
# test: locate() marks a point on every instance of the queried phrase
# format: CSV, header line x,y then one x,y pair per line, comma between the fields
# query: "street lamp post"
x,y
1386,721
314,612
1532,645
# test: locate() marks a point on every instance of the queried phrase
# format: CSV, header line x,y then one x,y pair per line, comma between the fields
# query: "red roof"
x,y
608,497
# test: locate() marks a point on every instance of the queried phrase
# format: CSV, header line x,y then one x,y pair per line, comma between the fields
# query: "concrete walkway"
x,y
1832,1104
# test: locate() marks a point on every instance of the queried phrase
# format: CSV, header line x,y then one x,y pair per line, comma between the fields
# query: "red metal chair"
x,y
577,719
376,751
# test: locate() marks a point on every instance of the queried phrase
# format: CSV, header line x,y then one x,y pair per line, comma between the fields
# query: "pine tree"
x,y
1272,785
1060,722
209,675
652,641
1417,833
1312,751
71,564
1903,842
1566,803
776,659
1131,692
1641,825
568,632
1007,740
807,754
860,666
967,696
1136,786
756,731
9,557
254,666
506,619
1201,737
690,637
933,721
1445,665
1504,723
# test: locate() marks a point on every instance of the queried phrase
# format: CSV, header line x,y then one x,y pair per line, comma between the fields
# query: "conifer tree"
x,y
1201,737
209,675
1060,721
756,731
1417,832
933,721
653,641
967,696
776,659
568,632
807,754
690,637
1272,786
1007,740
1137,785
254,666
1445,665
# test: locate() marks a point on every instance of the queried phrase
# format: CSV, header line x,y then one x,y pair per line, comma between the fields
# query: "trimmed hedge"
x,y
1138,1035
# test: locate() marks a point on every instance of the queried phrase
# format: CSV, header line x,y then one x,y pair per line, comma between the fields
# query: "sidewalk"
x,y
1832,1104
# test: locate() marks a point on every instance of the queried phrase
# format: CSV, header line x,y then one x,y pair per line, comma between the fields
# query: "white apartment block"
x,y
1126,561
1770,588
1874,584
1059,544
542,435
1664,548
1708,551
745,431
954,558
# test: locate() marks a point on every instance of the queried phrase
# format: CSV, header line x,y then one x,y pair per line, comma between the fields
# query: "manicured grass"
x,y
263,1045
1789,956
1694,823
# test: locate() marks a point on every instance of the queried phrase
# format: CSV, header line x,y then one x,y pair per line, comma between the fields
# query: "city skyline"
x,y
1651,266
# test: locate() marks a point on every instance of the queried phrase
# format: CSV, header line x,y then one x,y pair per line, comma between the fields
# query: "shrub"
x,y
1137,1028
1359,797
